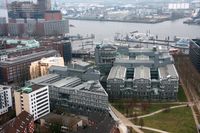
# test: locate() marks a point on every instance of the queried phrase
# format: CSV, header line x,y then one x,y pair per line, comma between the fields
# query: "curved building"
x,y
105,56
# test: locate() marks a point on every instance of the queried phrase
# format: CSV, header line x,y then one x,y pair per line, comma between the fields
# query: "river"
x,y
105,31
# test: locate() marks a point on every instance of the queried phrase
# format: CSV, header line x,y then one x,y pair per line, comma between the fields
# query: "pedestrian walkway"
x,y
161,110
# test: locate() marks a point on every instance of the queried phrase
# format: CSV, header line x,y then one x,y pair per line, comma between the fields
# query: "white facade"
x,y
5,99
33,99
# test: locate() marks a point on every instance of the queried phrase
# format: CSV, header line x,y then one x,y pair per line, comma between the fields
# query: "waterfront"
x,y
105,31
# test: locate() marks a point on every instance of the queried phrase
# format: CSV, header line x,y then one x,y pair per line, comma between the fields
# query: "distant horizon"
x,y
107,1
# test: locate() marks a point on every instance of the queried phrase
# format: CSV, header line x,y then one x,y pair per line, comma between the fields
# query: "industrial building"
x,y
33,99
141,73
5,99
194,53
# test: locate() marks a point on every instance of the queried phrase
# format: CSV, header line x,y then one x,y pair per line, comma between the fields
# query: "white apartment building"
x,y
5,99
34,99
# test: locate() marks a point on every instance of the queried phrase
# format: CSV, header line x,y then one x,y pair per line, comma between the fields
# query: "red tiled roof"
x,y
19,124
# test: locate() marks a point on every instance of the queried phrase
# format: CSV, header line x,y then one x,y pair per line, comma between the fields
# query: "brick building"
x,y
23,123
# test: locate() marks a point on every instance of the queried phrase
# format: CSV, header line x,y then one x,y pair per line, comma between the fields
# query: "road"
x,y
192,97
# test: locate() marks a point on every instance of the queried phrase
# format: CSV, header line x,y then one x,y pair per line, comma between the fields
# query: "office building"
x,y
194,53
33,99
23,123
143,73
75,86
5,99
16,69
40,67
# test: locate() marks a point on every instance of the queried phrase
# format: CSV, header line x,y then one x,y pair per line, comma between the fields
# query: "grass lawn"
x,y
178,120
119,105
148,131
181,95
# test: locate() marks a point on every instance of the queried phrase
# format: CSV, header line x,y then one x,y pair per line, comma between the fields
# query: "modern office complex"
x,y
5,99
17,68
194,53
142,73
71,92
40,67
33,99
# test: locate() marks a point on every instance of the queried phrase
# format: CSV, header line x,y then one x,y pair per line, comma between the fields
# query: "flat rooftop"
x,y
31,88
117,72
142,57
28,57
168,71
142,72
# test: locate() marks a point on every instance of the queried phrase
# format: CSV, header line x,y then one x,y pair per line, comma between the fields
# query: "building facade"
x,y
143,73
33,99
34,27
5,99
53,15
16,69
194,53
24,9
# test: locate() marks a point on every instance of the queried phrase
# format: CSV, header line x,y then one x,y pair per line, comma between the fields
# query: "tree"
x,y
135,118
141,122
55,124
